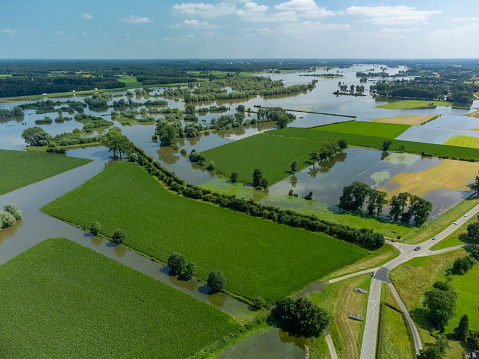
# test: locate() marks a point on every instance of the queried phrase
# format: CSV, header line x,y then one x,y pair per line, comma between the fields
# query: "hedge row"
x,y
364,237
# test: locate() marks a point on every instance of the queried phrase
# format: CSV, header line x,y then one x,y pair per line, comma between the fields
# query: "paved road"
x,y
330,343
368,348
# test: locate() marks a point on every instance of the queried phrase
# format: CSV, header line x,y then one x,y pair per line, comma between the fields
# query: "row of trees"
x,y
356,195
327,150
16,111
363,237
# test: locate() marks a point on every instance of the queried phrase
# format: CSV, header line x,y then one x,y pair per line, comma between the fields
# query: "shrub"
x,y
211,166
463,265
234,177
216,280
190,270
118,236
260,302
95,228
12,209
6,219
133,157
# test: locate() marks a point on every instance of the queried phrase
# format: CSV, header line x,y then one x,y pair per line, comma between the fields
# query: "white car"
x,y
456,223
465,215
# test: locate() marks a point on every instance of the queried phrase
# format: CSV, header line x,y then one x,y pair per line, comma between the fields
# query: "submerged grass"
x,y
19,169
407,120
374,129
258,257
463,141
62,300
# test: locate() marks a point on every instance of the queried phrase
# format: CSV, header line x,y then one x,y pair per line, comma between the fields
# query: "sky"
x,y
230,29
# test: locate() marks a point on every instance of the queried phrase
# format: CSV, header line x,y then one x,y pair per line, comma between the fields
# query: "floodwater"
x,y
271,344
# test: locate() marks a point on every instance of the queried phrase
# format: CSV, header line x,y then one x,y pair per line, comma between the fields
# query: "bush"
x,y
463,265
95,228
190,270
260,302
216,280
118,236
211,166
234,177
133,157
6,219
12,209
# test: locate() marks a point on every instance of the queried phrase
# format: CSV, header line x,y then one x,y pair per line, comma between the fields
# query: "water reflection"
x,y
120,250
168,155
97,241
10,232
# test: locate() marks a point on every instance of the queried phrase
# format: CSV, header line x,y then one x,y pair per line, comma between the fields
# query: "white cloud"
x,y
133,19
204,9
399,15
7,31
305,8
302,29
86,16
199,24
466,19
254,12
385,32
460,32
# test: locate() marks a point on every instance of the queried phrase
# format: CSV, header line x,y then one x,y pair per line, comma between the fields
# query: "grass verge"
x,y
20,168
258,257
86,305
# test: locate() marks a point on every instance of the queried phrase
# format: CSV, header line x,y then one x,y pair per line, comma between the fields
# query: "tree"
x,y
283,121
473,231
294,167
6,219
116,142
441,306
463,265
216,280
475,186
234,177
95,228
309,196
190,270
240,108
353,196
430,352
14,211
264,183
301,317
177,263
473,251
343,144
36,136
166,133
386,145
118,236
402,148
462,330
190,109
314,157
211,166
257,177
444,286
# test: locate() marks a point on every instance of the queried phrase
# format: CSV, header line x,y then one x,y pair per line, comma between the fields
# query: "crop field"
x,y
406,120
411,104
258,257
376,142
340,299
34,167
374,129
271,154
449,174
463,141
62,300
128,80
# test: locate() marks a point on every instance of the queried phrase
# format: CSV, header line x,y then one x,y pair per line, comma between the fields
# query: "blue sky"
x,y
146,29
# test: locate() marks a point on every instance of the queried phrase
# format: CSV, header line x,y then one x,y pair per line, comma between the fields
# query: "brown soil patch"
x,y
407,120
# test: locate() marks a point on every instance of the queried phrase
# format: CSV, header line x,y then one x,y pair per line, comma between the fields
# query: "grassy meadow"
x,y
412,104
271,154
339,299
363,128
463,141
20,168
258,257
62,300
376,142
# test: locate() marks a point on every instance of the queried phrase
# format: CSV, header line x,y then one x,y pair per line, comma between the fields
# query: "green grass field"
x,y
258,257
376,142
375,129
463,141
20,168
62,300
271,154
467,302
410,104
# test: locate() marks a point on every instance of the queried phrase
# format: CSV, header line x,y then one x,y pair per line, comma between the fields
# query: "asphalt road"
x,y
368,348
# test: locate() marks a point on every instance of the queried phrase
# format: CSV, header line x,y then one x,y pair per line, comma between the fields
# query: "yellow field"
x,y
449,174
407,120
463,141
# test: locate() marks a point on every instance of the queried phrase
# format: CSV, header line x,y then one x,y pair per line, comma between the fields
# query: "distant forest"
x,y
34,77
